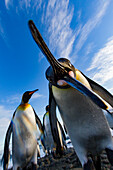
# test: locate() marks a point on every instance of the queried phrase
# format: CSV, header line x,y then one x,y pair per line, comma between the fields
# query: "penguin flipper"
x,y
64,136
53,121
85,91
38,121
43,121
6,147
101,91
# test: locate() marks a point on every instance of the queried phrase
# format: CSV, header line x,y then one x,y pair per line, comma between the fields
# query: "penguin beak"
x,y
61,72
31,92
58,69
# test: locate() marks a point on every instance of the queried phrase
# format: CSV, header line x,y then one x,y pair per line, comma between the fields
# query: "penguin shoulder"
x,y
82,79
24,106
25,111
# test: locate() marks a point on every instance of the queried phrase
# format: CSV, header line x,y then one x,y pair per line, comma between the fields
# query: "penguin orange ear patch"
x,y
63,82
71,73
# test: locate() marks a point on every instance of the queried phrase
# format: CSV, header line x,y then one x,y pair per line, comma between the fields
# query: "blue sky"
x,y
79,30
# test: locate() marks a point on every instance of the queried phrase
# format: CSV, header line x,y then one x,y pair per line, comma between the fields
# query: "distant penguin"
x,y
80,107
24,135
49,142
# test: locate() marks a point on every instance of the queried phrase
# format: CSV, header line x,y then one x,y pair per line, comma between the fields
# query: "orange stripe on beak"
x,y
33,91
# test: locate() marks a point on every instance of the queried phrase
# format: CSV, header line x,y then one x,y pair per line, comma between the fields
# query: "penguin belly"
x,y
24,143
49,138
85,122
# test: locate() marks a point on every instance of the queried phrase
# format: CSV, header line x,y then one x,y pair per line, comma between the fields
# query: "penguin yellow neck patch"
x,y
24,106
47,113
82,79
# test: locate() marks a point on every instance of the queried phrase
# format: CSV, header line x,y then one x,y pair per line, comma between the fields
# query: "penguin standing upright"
x,y
24,135
80,107
49,142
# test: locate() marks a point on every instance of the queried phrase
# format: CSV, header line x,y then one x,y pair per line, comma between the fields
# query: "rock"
x,y
68,161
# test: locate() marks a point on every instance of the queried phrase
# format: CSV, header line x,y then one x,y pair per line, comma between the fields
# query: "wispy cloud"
x,y
36,95
16,99
102,63
57,16
2,31
5,117
91,24
27,6
4,112
61,36
8,3
89,48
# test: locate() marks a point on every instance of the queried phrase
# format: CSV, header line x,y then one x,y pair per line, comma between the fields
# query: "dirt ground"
x,y
68,161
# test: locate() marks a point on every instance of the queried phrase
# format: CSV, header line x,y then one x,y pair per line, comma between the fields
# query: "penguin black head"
x,y
50,75
47,108
27,95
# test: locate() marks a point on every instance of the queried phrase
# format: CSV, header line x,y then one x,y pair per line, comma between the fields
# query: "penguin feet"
x,y
110,155
89,165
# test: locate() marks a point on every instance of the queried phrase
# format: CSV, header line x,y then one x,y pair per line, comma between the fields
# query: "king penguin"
x,y
24,135
49,142
79,106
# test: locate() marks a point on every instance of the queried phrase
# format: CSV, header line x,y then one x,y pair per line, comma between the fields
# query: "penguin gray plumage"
x,y
80,107
49,142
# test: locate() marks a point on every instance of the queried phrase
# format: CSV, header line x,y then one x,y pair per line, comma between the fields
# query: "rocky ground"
x,y
68,161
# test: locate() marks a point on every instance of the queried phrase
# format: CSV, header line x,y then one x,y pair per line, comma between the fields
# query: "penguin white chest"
x,y
85,122
69,101
25,120
24,134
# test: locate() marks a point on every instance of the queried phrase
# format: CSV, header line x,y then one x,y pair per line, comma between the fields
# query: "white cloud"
x,y
91,24
16,99
59,17
27,6
2,31
102,63
4,112
79,14
35,96
5,117
89,48
61,36
8,3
